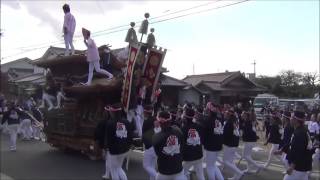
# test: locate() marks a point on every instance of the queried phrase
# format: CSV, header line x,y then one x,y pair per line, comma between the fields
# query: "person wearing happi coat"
x,y
12,116
231,143
168,144
274,138
192,149
300,150
212,141
150,127
249,137
285,139
119,140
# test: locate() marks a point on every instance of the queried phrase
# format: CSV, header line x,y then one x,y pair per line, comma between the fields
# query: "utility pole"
x,y
193,68
254,67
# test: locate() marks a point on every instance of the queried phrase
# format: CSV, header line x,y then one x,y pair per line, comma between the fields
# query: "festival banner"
x,y
152,68
126,89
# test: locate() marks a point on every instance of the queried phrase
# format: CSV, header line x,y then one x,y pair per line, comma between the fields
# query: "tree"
x,y
290,84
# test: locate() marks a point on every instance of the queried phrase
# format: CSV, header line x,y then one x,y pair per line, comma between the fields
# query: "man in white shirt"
x,y
69,26
313,127
93,57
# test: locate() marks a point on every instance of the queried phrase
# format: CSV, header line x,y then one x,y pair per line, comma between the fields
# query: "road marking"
x,y
5,177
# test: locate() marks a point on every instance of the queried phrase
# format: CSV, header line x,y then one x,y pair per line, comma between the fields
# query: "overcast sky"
x,y
279,35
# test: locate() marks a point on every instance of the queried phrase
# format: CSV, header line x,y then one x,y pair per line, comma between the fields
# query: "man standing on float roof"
x,y
69,26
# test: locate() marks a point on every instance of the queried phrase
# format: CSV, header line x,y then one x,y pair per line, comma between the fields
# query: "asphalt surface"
x,y
36,160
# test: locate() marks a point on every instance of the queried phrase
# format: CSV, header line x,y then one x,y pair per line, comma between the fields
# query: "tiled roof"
x,y
18,60
214,77
170,81
30,78
217,87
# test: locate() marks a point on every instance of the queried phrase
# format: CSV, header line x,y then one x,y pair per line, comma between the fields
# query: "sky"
x,y
278,35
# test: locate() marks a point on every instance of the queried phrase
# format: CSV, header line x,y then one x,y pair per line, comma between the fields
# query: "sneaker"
x,y
246,170
84,84
37,138
105,176
50,108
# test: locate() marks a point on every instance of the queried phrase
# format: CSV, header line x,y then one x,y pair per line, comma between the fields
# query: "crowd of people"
x,y
21,119
176,140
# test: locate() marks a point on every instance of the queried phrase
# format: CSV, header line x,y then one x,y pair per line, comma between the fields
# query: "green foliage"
x,y
290,84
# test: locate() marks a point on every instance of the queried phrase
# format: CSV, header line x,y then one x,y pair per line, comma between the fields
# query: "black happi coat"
x,y
119,135
249,132
168,147
285,141
299,153
148,131
274,135
229,137
10,117
192,135
212,133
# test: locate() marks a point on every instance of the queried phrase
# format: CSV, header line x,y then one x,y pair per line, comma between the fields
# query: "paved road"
x,y
36,160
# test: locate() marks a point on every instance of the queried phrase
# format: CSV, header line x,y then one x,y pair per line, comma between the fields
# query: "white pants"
x,y
197,164
284,160
68,41
13,131
116,161
149,162
297,175
274,148
96,65
229,154
139,123
36,132
107,163
247,152
316,157
60,96
48,99
179,176
213,171
26,128
4,128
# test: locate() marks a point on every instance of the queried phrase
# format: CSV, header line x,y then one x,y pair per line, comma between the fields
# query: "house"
x,y
19,68
176,92
226,87
12,73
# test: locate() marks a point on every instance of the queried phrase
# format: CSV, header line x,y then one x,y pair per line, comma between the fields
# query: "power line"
x,y
120,26
155,22
198,12
183,10
176,17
